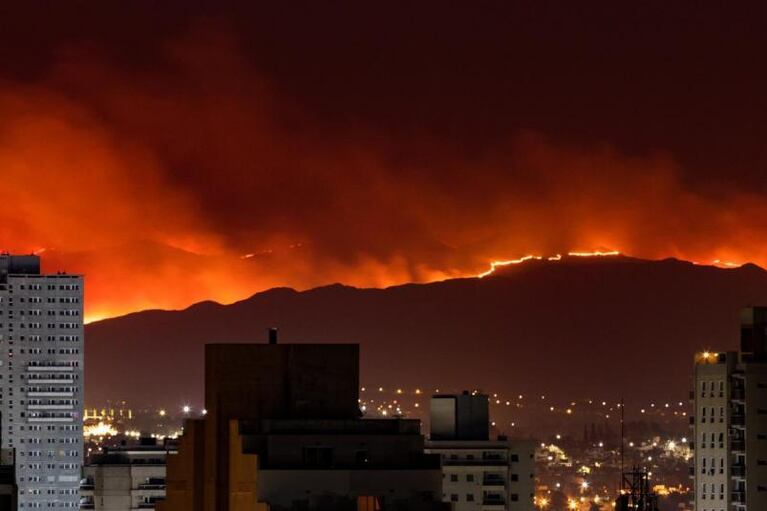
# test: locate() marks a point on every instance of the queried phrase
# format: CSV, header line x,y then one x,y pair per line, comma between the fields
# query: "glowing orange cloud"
x,y
171,187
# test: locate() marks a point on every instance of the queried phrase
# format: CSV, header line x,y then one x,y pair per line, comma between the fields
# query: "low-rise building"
x,y
479,473
126,478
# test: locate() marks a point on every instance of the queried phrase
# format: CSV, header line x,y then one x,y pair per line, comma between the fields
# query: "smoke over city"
x,y
206,170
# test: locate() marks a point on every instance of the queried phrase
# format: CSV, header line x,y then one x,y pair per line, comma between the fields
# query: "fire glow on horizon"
x,y
238,293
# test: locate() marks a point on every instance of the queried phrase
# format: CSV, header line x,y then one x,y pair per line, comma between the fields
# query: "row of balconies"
x,y
736,470
152,483
736,394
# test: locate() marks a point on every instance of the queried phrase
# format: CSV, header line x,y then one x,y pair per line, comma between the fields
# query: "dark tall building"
x,y
283,432
753,332
459,417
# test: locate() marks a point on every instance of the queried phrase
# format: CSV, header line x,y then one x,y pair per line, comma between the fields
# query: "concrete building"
x,y
730,422
479,473
41,380
127,477
284,432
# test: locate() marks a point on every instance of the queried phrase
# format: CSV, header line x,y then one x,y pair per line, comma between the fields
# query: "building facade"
x,y
284,432
730,422
126,478
41,381
479,473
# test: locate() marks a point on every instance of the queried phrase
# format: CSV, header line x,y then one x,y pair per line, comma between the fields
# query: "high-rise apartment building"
x,y
41,381
730,422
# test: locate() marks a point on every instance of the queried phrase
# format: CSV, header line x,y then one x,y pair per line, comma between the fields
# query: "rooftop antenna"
x,y
634,492
623,442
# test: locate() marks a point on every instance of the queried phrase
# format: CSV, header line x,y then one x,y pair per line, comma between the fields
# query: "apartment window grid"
x,y
41,365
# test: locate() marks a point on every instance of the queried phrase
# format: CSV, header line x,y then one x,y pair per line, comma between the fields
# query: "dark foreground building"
x,y
283,432
8,488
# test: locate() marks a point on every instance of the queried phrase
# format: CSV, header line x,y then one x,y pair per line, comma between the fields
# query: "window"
x,y
515,457
470,478
469,497
515,477
514,497
454,497
453,478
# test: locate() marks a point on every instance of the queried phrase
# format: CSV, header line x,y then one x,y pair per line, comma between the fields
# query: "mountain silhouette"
x,y
606,327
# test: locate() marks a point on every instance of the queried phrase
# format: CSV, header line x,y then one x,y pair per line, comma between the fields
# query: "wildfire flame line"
x,y
498,264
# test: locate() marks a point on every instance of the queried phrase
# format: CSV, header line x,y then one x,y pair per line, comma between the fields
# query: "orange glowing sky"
x,y
200,153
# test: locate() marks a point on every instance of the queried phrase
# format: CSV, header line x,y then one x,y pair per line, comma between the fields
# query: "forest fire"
x,y
213,198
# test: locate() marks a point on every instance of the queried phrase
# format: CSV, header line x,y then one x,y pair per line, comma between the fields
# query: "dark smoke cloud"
x,y
199,171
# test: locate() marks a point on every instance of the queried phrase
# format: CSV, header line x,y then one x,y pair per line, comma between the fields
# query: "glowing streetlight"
x,y
187,409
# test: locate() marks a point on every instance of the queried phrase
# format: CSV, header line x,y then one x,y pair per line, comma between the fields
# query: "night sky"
x,y
175,151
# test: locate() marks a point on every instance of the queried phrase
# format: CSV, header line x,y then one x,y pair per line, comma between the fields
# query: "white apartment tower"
x,y
730,422
41,381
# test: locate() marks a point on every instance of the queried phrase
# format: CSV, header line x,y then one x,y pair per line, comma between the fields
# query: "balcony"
x,y
739,496
50,407
493,481
50,366
692,420
738,471
738,445
151,486
738,394
50,394
476,462
738,420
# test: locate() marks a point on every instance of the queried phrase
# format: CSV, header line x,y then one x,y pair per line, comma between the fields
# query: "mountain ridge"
x,y
575,326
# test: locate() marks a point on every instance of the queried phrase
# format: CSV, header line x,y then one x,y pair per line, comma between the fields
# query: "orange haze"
x,y
201,181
